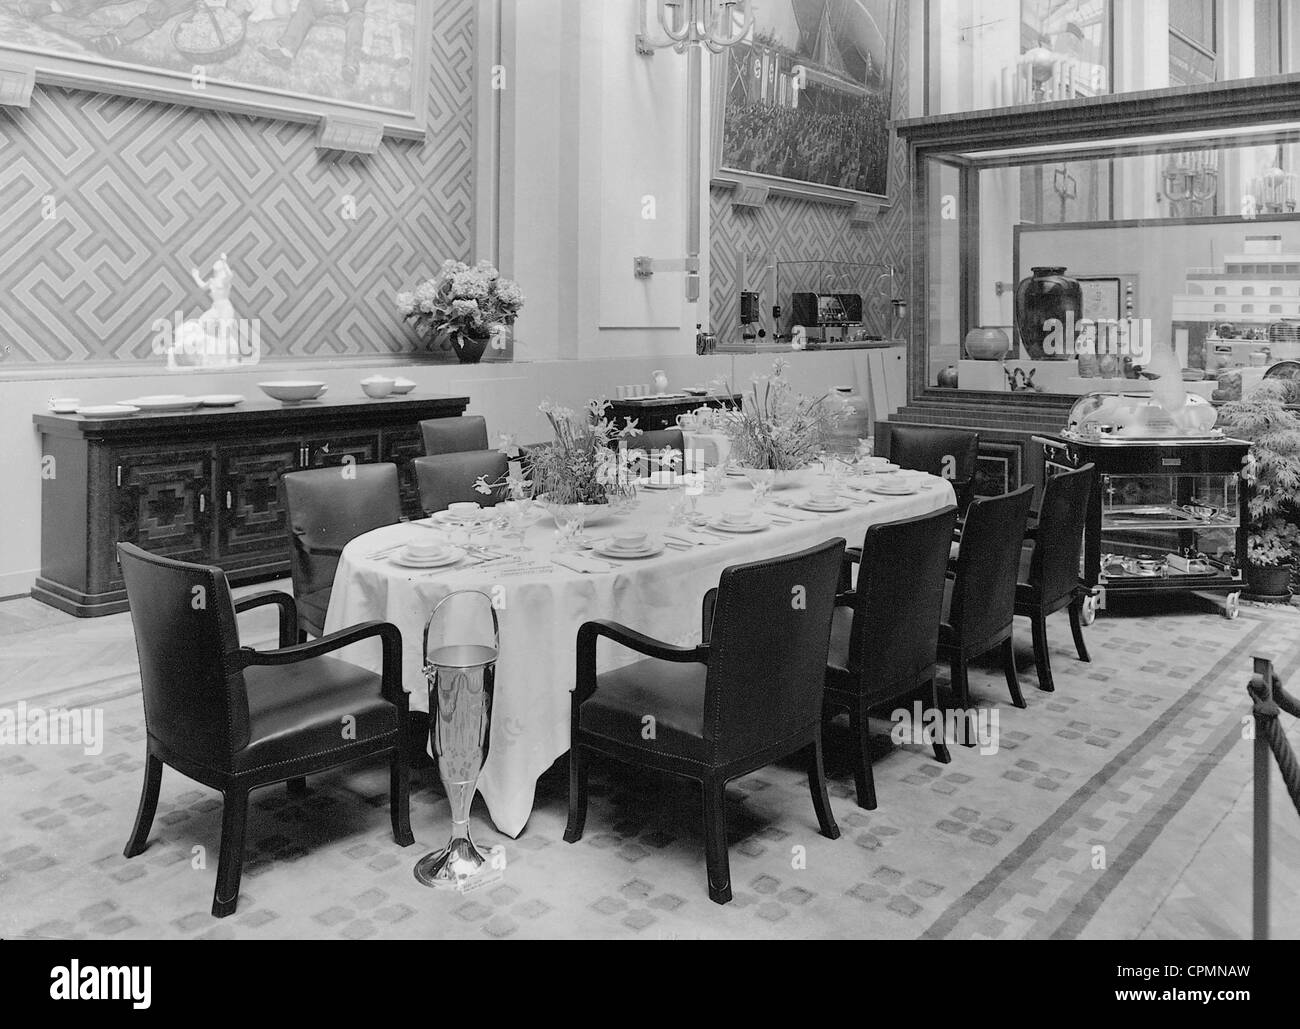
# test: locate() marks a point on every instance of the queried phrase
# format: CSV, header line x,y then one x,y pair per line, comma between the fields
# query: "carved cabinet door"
x,y
401,447
252,520
162,502
357,447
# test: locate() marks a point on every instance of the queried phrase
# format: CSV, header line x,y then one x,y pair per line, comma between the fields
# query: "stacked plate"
x,y
627,548
824,503
108,411
426,555
740,521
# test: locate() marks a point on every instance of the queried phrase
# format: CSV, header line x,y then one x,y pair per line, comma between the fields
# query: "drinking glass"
x,y
519,515
569,520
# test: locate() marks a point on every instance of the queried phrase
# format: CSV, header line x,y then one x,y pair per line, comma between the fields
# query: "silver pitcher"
x,y
461,678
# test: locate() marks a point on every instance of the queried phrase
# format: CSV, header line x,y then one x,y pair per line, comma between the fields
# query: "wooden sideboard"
x,y
200,485
660,412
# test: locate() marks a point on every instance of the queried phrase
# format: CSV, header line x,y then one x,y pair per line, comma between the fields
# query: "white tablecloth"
x,y
535,669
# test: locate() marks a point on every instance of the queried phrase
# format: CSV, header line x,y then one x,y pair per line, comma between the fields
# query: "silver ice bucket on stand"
x,y
461,679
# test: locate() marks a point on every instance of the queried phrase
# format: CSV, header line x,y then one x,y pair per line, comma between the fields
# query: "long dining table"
x,y
540,602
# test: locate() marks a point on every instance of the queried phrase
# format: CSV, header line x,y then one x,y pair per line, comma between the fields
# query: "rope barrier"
x,y
1269,701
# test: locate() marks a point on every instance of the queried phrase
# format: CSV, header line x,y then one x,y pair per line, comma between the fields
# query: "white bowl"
x,y
629,540
463,510
741,516
377,387
426,551
64,405
292,391
403,386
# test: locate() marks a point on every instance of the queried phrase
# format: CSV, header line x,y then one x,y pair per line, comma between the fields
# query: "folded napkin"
x,y
579,563
794,514
695,539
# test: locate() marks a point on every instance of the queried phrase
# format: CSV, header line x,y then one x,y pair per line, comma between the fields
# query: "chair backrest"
x,y
1054,568
327,508
446,479
654,443
767,653
185,635
950,453
895,632
454,435
984,593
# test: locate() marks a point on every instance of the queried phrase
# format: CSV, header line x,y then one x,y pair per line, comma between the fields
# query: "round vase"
x,y
947,378
659,380
1048,300
470,349
987,344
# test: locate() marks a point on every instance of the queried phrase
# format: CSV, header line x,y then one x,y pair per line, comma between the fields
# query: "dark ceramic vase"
x,y
1047,296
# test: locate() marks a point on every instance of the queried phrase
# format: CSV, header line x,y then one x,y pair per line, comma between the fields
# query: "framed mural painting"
x,y
803,106
359,67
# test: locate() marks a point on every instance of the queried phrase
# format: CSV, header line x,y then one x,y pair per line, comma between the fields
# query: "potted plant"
x,y
1271,470
778,433
463,308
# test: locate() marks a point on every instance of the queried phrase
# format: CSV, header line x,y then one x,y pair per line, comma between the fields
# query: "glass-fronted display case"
x,y
1092,233
1166,514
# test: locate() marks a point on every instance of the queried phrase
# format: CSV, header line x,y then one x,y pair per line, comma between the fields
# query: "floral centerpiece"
x,y
463,308
1272,472
584,464
778,433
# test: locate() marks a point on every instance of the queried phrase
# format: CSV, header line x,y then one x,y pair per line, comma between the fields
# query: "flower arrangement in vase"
x,y
463,308
584,464
778,433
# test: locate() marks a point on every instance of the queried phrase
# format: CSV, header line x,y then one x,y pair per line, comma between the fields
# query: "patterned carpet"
x,y
1116,807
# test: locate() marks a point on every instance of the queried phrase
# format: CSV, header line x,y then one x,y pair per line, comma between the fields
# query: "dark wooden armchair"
x,y
749,694
325,509
885,634
1049,565
234,718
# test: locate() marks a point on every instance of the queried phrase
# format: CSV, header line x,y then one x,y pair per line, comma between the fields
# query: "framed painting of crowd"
x,y
362,61
803,106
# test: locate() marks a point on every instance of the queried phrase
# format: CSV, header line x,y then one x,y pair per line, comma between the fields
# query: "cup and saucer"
x,y
628,544
427,555
824,501
459,514
740,519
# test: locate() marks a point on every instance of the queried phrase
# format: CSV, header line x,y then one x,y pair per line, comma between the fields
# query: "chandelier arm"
x,y
676,35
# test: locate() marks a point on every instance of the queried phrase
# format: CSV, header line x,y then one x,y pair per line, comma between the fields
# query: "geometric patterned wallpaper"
x,y
143,191
789,229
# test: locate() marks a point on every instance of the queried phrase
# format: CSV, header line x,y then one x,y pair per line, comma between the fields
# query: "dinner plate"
x,y
401,557
652,484
695,391
606,541
839,505
164,403
108,411
222,400
606,548
878,465
735,473
756,524
447,518
901,489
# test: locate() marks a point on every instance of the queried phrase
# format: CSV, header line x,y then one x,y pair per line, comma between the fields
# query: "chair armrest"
x,y
288,612
590,633
706,616
846,598
391,635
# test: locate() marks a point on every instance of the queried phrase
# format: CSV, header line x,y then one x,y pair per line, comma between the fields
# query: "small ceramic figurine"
x,y
213,339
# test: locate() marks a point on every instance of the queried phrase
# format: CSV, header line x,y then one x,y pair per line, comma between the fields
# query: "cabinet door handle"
x,y
203,502
229,502
119,475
